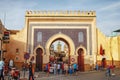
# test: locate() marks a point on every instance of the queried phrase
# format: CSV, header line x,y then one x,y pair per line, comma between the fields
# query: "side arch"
x,y
81,52
38,52
39,46
82,47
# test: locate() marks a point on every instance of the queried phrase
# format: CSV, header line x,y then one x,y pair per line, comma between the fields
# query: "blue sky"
x,y
12,12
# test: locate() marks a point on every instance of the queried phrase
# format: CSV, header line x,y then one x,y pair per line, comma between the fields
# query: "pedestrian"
x,y
24,66
112,68
96,67
108,71
11,64
70,70
66,68
55,67
31,75
1,69
62,68
48,68
58,68
75,67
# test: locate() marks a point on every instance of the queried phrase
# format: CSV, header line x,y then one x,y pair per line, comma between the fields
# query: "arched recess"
x,y
85,53
62,36
38,53
39,46
81,51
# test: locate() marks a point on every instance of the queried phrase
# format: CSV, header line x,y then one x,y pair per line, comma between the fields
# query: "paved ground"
x,y
91,75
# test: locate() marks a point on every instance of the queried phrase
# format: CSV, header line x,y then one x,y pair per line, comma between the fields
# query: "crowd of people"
x,y
8,69
55,68
60,68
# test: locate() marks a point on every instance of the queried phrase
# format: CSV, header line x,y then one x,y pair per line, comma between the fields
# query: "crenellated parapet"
x,y
61,13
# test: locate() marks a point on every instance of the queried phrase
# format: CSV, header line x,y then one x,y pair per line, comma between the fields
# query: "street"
x,y
91,75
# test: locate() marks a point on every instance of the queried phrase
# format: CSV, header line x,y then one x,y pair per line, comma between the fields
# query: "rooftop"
x,y
61,13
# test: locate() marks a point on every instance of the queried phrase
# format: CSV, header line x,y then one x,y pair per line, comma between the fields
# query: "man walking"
x,y
1,69
31,75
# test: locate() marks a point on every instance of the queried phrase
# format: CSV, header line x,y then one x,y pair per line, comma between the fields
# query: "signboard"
x,y
6,35
26,56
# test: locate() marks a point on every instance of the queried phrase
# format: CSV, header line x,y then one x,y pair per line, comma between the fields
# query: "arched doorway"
x,y
39,59
59,51
60,36
80,59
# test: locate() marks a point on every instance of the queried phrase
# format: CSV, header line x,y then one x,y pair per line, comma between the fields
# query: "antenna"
x,y
4,18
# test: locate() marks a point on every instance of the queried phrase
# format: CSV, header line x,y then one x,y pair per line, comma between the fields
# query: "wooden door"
x,y
39,58
80,59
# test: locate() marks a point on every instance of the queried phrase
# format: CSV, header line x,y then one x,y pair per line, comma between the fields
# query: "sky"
x,y
12,12
56,44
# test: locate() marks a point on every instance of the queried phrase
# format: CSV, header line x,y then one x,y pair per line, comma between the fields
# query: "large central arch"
x,y
62,36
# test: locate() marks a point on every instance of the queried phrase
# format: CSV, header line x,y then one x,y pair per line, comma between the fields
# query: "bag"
x,y
46,68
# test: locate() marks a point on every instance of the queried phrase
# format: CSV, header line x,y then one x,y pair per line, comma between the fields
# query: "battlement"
x,y
60,13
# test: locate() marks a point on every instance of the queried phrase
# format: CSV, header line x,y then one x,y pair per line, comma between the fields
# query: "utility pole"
x,y
111,51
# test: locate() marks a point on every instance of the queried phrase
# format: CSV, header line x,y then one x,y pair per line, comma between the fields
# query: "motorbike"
x,y
14,74
6,70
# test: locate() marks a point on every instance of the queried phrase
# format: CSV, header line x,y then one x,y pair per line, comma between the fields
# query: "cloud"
x,y
107,11
113,6
108,17
14,13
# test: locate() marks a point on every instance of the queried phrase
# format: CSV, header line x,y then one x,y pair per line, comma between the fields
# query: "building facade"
x,y
76,30
2,42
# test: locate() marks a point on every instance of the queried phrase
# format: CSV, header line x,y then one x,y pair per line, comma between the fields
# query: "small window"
x,y
39,37
16,58
80,37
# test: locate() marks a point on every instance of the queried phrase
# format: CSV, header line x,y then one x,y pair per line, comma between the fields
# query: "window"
x,y
80,37
39,37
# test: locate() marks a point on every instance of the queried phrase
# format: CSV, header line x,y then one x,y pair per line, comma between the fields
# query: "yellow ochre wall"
x,y
111,45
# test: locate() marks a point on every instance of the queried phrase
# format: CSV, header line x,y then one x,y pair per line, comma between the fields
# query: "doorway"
x,y
80,59
39,59
59,51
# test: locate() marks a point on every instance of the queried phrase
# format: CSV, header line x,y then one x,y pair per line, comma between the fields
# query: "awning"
x,y
117,30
